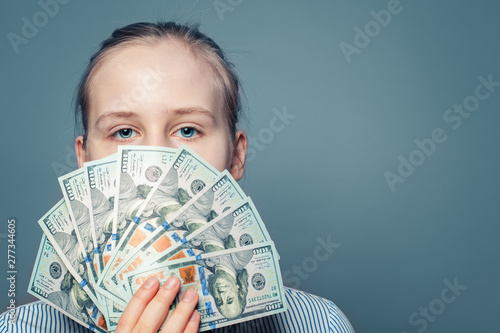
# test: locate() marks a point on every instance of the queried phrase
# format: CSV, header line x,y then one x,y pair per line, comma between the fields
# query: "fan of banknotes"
x,y
155,211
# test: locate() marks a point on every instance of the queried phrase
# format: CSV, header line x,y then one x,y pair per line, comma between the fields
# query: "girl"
x,y
167,84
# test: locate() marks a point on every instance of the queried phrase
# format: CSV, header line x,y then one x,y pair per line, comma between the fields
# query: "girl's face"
x,y
159,96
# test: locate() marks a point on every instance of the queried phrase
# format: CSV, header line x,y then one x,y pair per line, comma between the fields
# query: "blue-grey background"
x,y
322,175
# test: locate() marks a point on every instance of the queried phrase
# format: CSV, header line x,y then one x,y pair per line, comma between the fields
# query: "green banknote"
x,y
223,194
237,227
101,179
57,227
53,283
77,196
186,176
155,211
234,285
138,168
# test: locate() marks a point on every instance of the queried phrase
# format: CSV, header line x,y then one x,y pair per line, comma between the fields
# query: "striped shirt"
x,y
305,313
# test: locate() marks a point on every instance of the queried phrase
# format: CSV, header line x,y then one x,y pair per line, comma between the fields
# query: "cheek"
x,y
218,159
96,150
217,153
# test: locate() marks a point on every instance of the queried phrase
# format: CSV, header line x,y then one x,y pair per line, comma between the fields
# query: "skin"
x,y
159,95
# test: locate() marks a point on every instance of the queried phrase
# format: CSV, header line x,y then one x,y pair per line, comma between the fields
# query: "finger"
x,y
157,309
193,323
183,312
137,304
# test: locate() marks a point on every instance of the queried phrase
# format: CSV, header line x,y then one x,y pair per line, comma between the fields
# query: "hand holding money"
x,y
150,305
233,285
149,235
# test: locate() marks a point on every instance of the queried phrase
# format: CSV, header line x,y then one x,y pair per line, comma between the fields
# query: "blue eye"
x,y
187,132
124,133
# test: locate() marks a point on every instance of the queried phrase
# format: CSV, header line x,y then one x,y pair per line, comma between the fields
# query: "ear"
x,y
239,154
81,154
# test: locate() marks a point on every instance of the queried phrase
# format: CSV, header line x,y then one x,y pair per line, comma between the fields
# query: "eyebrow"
x,y
132,115
115,114
196,110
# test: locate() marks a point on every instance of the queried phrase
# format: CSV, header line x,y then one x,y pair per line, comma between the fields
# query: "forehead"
x,y
166,74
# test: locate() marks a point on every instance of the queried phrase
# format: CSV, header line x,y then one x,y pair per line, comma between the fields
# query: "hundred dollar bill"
x,y
109,313
77,196
187,176
238,227
222,195
138,168
58,228
113,311
101,177
53,283
234,285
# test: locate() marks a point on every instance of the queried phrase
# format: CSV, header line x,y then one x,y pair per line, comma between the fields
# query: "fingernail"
x,y
189,296
193,316
150,283
171,283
